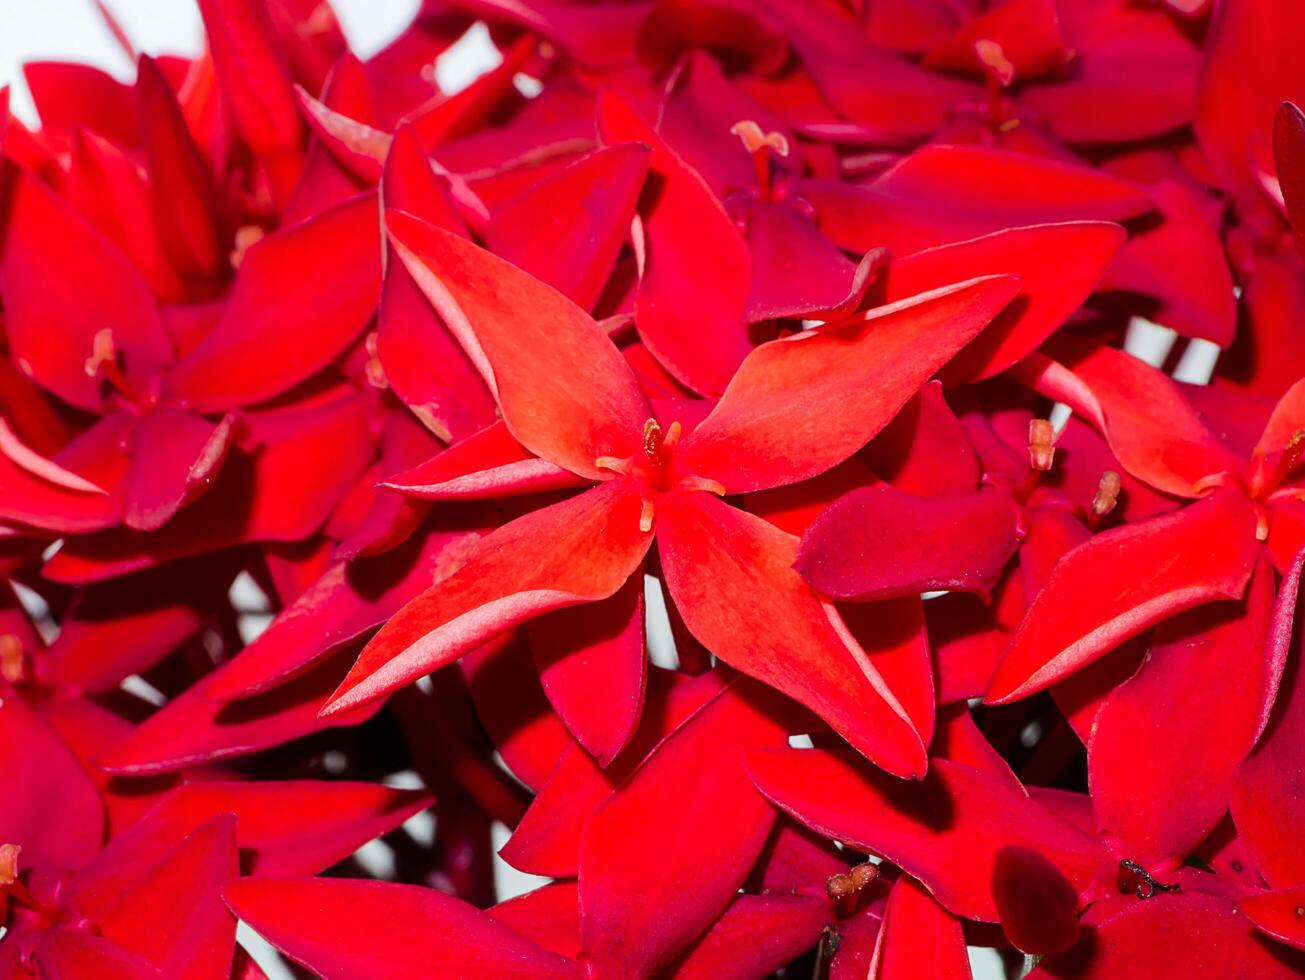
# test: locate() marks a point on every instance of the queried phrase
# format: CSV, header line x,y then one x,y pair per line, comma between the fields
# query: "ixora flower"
x,y
566,394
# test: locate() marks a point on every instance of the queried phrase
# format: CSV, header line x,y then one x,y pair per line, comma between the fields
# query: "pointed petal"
x,y
67,954
175,457
394,930
39,493
1059,265
51,328
484,466
1289,155
1125,580
593,667
695,270
1149,730
877,543
577,551
945,831
302,295
925,449
58,820
918,937
1038,905
1189,935
644,844
1278,914
756,936
181,190
549,916
852,378
893,636
573,250
1028,32
731,577
564,389
795,269
173,914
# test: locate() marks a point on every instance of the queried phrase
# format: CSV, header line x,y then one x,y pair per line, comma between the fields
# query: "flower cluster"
x,y
710,445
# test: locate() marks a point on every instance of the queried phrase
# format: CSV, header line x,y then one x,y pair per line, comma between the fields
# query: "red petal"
x,y
549,916
58,820
173,915
1149,730
1125,580
1194,935
484,466
731,577
255,85
1289,155
573,249
1280,914
41,494
301,296
876,543
51,328
359,148
181,190
175,456
1028,32
1059,266
925,449
918,937
853,377
836,794
1038,905
593,667
564,389
393,930
67,954
695,267
577,551
795,269
755,936
893,636
650,881
68,96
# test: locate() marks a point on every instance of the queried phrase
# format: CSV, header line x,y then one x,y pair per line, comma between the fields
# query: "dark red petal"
x,y
564,389
593,667
175,457
852,378
577,551
732,580
1289,155
486,465
795,269
52,328
1059,266
946,830
918,937
650,881
1038,905
1149,731
1190,935
59,821
1028,32
695,265
925,449
302,295
181,190
877,542
1280,914
255,85
173,914
755,936
1125,580
573,249
393,930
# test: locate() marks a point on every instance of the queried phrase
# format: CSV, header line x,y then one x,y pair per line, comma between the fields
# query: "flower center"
x,y
760,144
11,887
106,364
657,469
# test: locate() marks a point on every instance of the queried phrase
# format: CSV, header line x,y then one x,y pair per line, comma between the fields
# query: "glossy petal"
x,y
1122,582
580,550
731,577
1038,905
396,930
945,831
755,936
1289,155
918,934
878,542
565,392
695,267
301,296
175,458
802,404
1278,914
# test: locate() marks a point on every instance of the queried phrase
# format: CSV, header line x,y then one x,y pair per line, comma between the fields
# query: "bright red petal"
x,y
918,937
1279,914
